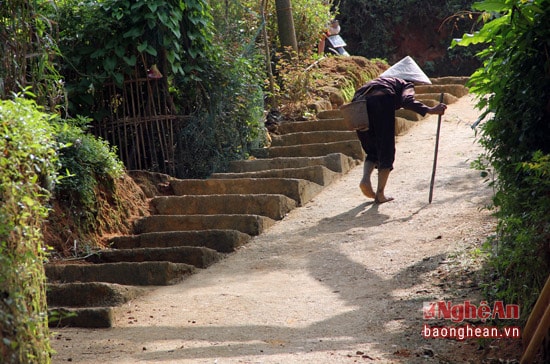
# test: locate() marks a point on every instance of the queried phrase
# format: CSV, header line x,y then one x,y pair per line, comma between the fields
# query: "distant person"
x,y
335,43
394,89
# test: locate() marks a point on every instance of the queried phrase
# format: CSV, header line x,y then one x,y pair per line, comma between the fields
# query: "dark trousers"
x,y
379,141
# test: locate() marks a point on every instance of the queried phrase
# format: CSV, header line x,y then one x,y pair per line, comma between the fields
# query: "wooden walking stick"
x,y
435,153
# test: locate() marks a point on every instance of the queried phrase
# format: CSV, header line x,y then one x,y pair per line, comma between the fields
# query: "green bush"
x,y
228,124
514,88
27,172
87,162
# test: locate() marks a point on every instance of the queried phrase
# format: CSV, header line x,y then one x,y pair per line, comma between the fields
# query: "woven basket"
x,y
355,115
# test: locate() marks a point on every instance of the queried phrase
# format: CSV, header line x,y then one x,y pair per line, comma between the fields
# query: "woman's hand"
x,y
438,109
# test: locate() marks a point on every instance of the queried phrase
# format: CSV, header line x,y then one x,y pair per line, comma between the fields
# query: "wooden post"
x,y
537,325
435,153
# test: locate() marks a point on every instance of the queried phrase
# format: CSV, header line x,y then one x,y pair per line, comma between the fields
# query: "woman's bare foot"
x,y
367,190
382,199
383,175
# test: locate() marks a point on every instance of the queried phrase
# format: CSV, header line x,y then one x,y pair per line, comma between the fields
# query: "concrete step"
x,y
152,183
402,125
136,274
401,113
351,148
334,123
453,80
299,190
457,90
312,137
248,224
90,294
447,98
317,174
89,317
272,206
199,257
408,115
336,162
428,102
223,241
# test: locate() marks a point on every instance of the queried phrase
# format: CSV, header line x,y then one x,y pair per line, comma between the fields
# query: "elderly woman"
x,y
394,89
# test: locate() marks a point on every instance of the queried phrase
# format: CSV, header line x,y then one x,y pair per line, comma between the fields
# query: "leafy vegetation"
x,y
228,124
420,28
27,173
109,41
28,168
27,45
514,91
311,18
89,162
214,87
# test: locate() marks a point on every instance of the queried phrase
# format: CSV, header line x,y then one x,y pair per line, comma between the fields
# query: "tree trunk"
x,y
287,34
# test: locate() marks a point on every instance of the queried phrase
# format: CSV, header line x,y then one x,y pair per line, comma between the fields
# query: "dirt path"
x,y
340,280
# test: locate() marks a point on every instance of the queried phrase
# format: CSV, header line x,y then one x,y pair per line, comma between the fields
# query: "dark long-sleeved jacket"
x,y
403,92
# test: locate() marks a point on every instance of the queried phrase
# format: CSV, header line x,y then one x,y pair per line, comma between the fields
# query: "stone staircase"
x,y
201,221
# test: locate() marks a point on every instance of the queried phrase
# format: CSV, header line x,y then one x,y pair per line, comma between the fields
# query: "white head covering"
x,y
408,70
